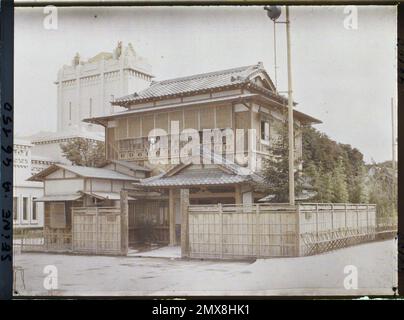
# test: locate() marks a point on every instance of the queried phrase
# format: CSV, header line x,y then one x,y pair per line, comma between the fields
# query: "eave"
x,y
133,102
234,99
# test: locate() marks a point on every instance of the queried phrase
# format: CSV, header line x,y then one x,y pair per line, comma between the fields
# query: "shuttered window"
x,y
223,117
122,129
177,116
134,127
207,116
191,119
162,121
110,147
25,208
147,125
243,120
265,130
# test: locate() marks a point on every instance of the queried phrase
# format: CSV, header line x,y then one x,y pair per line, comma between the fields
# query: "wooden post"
x,y
237,194
72,229
346,217
220,209
297,207
97,224
367,220
171,213
332,221
184,195
257,226
124,222
22,240
316,223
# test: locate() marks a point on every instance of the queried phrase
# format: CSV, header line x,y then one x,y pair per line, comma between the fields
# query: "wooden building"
x,y
236,99
67,187
204,195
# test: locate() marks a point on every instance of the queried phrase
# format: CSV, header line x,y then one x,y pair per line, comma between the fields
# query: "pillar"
x,y
124,222
184,196
171,214
237,194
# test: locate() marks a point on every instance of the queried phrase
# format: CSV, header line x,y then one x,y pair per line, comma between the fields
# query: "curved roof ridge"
x,y
206,74
194,83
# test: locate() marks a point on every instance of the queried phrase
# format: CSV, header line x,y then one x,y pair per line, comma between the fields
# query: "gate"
x,y
96,230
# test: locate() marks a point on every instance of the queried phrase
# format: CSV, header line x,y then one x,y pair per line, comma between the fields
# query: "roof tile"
x,y
193,83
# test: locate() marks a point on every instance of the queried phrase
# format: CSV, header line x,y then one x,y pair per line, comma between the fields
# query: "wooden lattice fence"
x,y
268,230
325,227
45,240
240,231
96,230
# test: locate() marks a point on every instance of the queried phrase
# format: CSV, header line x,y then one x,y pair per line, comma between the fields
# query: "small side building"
x,y
66,187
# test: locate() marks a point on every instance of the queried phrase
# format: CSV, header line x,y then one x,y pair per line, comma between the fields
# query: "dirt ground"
x,y
316,275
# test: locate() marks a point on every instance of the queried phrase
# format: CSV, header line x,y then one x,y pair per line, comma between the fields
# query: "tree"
x,y
382,181
335,169
276,166
360,190
325,190
84,152
339,186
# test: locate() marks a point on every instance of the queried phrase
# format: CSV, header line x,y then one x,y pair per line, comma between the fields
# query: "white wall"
x,y
29,193
52,150
22,170
103,185
98,80
63,186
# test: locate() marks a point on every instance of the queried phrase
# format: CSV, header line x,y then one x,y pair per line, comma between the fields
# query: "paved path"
x,y
315,275
162,252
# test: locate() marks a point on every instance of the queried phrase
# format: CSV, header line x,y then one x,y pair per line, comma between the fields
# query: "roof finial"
x,y
76,59
118,50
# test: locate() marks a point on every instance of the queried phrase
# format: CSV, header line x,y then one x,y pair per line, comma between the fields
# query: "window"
x,y
112,107
15,208
25,208
265,130
90,108
34,209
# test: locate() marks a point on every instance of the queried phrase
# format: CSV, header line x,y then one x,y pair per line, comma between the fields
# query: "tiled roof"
x,y
194,83
195,177
241,77
100,173
57,136
87,172
59,197
130,165
106,195
205,176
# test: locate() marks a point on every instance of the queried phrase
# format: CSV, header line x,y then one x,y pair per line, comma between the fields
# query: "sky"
x,y
344,77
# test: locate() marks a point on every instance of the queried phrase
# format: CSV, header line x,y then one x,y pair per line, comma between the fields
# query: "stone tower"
x,y
86,88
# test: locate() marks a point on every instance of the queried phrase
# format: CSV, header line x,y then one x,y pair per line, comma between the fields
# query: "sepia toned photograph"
x,y
205,151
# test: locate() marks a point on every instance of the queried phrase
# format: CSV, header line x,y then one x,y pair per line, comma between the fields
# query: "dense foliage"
x,y
333,172
336,171
83,152
382,184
